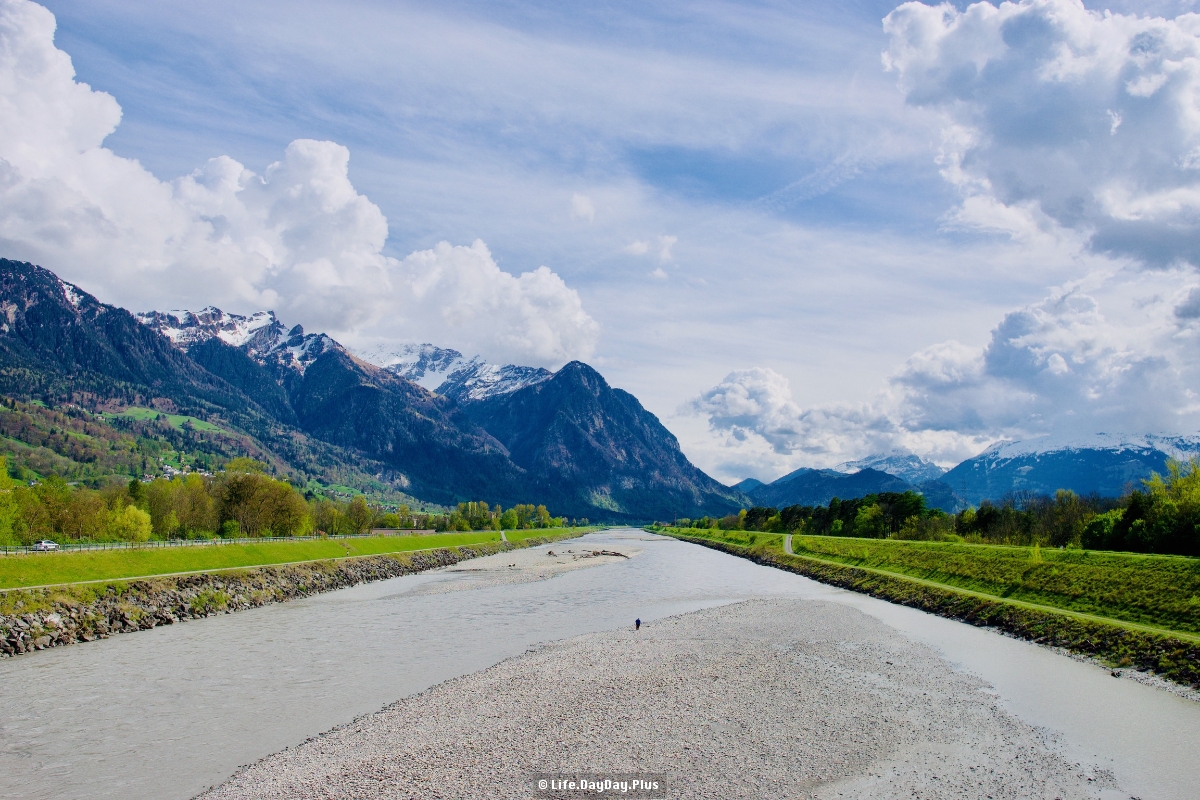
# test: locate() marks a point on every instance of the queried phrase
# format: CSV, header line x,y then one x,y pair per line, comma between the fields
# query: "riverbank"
x,y
31,570
1118,646
761,698
35,619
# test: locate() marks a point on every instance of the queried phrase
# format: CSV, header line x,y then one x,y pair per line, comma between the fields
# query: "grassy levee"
x,y
37,617
540,533
1157,591
1125,609
45,569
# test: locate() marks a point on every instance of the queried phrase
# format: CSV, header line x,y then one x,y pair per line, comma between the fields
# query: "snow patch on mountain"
x,y
261,335
73,293
424,364
476,381
448,372
911,468
438,369
259,332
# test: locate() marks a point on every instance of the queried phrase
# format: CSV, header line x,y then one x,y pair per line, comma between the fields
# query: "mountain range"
x,y
911,468
1105,464
442,427
505,434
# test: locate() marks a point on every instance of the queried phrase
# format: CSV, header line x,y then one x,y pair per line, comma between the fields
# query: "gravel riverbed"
x,y
527,565
763,698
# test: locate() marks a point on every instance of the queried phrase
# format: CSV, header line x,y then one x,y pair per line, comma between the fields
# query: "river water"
x,y
168,712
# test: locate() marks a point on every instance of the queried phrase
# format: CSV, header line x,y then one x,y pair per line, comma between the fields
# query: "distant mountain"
x,y
911,468
447,372
816,487
258,332
588,446
1105,464
455,428
57,341
310,380
59,344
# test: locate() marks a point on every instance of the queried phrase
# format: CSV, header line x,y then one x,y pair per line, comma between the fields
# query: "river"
x,y
168,712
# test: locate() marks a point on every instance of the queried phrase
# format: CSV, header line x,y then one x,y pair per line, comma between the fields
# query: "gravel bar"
x,y
763,698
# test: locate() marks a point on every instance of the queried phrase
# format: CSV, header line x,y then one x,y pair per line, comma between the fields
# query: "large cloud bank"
x,y
1064,125
297,238
1060,366
1063,116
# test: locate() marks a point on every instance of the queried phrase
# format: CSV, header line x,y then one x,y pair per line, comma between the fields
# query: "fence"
x,y
80,546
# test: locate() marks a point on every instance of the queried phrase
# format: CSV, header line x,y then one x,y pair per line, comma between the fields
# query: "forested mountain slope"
x,y
585,444
309,406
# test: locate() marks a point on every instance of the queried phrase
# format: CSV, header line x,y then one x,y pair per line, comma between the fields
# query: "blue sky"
x,y
764,228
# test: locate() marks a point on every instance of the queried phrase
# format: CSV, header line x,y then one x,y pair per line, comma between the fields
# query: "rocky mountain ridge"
x,y
911,468
566,439
1104,463
448,372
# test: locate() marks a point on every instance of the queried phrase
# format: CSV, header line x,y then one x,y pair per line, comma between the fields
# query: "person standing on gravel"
x,y
637,624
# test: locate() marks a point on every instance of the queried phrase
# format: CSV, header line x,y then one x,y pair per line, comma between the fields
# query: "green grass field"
x,y
39,569
43,569
175,420
533,533
1158,591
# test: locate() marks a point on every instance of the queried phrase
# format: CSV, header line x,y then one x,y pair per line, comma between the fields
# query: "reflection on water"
x,y
168,712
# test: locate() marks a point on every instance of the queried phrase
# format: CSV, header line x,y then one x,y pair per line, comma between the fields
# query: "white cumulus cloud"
x,y
298,237
1063,125
1085,119
1062,365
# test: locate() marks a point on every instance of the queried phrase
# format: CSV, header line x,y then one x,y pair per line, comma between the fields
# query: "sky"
x,y
799,232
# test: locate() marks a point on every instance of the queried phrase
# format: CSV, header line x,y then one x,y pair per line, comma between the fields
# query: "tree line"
x,y
1161,517
242,500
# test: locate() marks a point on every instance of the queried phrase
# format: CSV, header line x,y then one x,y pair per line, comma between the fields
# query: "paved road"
x,y
787,545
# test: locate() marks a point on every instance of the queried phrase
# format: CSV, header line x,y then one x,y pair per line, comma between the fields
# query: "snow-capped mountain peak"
x,y
448,372
261,335
478,380
905,466
424,364
258,332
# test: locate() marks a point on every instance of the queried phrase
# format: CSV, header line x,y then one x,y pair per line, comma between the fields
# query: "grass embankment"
x,y
41,569
1127,609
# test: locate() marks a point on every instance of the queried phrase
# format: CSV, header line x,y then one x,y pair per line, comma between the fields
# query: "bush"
x,y
130,524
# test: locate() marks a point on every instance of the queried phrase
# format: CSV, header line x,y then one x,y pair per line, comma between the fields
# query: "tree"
x,y
130,524
756,518
871,522
509,520
8,505
359,515
246,465
262,506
